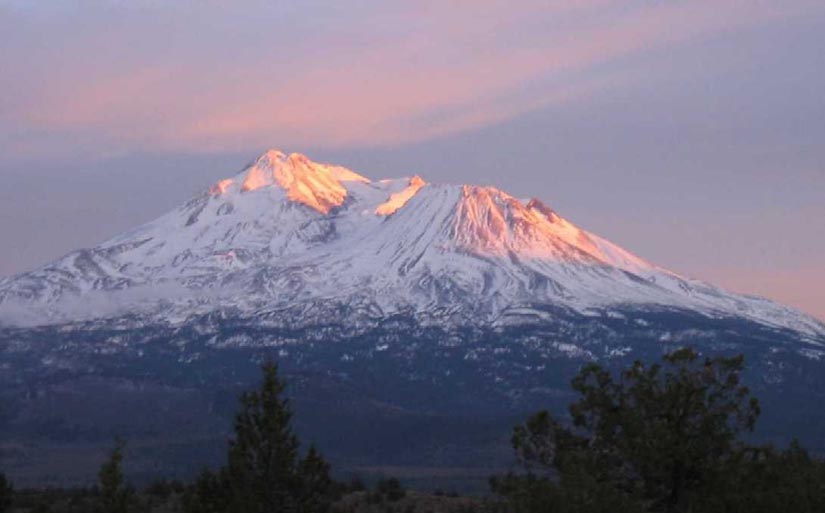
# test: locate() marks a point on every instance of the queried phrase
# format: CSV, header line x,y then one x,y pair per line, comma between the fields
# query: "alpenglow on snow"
x,y
306,240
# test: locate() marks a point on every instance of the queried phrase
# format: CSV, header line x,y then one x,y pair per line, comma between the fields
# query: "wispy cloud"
x,y
213,76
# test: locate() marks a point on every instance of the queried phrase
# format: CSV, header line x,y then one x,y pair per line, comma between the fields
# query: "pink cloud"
x,y
397,75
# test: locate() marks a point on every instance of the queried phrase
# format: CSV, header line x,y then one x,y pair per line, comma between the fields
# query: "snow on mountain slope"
x,y
289,234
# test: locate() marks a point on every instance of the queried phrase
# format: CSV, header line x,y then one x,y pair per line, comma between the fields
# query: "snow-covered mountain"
x,y
415,323
294,241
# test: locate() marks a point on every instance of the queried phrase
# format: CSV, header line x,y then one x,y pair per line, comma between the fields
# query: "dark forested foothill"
x,y
668,437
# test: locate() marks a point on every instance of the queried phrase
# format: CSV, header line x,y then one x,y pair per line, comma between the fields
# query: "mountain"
x,y
291,235
421,320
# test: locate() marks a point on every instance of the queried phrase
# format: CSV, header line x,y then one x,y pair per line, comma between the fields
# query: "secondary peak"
x,y
400,198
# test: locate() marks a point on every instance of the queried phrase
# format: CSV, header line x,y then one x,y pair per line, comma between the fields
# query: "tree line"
x,y
668,437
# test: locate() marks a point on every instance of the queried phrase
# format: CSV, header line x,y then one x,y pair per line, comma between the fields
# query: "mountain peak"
x,y
272,155
316,185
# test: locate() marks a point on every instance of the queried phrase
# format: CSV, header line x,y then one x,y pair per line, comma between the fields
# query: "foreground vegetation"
x,y
659,438
669,437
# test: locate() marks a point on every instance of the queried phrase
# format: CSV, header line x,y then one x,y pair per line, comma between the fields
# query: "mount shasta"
x,y
415,321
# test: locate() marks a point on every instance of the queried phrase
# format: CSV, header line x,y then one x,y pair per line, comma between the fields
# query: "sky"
x,y
691,132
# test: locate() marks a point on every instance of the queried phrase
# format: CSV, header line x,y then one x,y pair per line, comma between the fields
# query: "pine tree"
x,y
209,494
659,438
673,425
6,494
315,481
264,472
114,493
